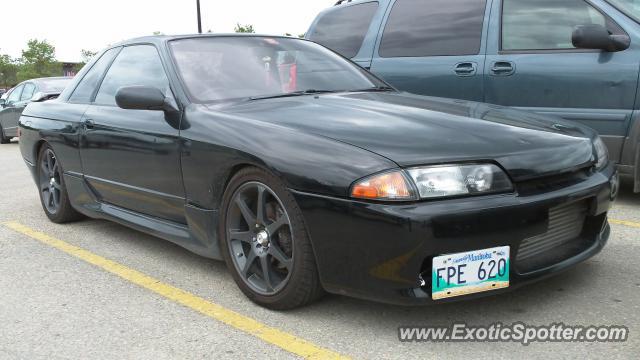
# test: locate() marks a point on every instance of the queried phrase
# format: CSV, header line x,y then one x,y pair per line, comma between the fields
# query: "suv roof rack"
x,y
342,1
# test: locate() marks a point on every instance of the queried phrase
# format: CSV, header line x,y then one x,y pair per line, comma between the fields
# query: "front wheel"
x,y
265,242
53,193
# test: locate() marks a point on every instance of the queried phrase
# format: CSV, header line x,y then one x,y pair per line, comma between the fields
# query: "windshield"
x,y
54,85
224,68
629,7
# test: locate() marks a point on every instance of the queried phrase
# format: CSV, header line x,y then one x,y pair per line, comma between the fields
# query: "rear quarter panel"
x,y
57,124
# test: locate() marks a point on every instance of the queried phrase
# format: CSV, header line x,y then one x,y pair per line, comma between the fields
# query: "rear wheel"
x,y
265,242
53,193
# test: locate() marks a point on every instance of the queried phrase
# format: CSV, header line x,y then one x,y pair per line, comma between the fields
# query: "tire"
x,y
242,243
51,186
3,140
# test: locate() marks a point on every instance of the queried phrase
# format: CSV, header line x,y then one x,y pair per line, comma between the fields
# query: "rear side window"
x,y
433,28
343,30
135,65
27,92
87,86
547,24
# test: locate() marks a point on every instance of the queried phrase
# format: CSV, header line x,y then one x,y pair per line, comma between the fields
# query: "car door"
x,y
532,64
434,47
8,112
131,158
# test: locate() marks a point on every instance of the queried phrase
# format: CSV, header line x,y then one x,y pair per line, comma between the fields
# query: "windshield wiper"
x,y
382,88
295,93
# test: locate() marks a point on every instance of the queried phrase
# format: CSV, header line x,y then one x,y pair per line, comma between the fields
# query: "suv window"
x,y
629,7
547,24
86,87
343,30
135,65
27,92
433,28
15,94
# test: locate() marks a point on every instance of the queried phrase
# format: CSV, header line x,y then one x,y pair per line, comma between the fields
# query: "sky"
x,y
73,25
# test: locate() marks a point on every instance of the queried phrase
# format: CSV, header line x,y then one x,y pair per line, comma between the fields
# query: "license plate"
x,y
470,272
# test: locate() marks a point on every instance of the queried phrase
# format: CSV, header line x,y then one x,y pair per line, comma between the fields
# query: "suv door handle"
x,y
465,69
503,68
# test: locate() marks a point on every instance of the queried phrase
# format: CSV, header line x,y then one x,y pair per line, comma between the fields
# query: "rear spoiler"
x,y
41,96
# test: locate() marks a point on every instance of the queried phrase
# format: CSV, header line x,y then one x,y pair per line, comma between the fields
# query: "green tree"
x,y
38,60
8,71
244,29
85,56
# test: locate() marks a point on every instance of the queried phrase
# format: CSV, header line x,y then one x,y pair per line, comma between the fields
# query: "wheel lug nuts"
x,y
240,254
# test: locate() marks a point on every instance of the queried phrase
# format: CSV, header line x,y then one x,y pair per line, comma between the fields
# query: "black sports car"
x,y
306,173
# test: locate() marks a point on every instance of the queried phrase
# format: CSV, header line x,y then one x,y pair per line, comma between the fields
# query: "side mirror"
x,y
2,102
598,37
141,98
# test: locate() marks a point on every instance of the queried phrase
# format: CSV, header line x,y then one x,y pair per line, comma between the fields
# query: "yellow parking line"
x,y
250,326
625,223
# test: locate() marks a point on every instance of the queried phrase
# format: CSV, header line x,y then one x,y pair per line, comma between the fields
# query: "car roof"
x,y
44,79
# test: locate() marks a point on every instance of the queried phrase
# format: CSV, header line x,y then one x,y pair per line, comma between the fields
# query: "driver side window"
x,y
135,65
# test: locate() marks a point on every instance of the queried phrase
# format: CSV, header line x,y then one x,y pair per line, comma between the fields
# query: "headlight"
x,y
433,182
390,186
453,180
602,154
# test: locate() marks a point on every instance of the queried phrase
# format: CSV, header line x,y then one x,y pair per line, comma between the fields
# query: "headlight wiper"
x,y
291,94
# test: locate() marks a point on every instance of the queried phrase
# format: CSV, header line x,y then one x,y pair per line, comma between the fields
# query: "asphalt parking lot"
x,y
156,300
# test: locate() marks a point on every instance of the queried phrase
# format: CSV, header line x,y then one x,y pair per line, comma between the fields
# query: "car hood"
x,y
415,130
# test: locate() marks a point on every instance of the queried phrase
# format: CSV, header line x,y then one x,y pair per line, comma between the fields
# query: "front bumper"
x,y
377,251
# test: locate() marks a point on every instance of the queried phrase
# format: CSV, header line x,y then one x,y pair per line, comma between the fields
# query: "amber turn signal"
x,y
387,186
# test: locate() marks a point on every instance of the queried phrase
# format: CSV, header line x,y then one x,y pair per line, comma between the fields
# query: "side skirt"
x,y
199,235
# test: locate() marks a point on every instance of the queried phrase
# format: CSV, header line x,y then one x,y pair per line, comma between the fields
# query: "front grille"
x,y
551,183
566,223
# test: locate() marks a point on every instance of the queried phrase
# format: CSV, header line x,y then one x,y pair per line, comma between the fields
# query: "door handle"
x,y
503,68
465,69
88,124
